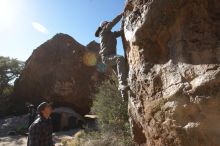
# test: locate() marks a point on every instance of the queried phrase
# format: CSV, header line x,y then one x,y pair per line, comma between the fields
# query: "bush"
x,y
110,109
114,129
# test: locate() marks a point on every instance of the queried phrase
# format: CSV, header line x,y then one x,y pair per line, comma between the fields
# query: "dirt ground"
x,y
13,141
16,123
22,140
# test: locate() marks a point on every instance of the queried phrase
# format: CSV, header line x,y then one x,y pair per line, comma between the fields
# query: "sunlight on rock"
x,y
89,59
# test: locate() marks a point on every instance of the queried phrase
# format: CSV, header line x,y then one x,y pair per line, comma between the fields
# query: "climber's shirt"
x,y
108,39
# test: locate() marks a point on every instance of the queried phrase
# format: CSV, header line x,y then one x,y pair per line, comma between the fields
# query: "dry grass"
x,y
83,138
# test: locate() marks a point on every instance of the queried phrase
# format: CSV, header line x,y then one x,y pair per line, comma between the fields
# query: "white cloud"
x,y
39,27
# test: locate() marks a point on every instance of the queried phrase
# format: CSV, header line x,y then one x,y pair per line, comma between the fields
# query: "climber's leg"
x,y
122,72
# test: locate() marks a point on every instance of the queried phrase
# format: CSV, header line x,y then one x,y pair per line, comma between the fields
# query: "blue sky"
x,y
26,24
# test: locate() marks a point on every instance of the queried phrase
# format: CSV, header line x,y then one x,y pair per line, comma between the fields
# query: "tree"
x,y
10,69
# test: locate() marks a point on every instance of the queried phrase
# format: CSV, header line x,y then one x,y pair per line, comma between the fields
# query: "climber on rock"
x,y
108,43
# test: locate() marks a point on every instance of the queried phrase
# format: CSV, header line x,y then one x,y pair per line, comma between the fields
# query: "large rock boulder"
x,y
62,71
173,49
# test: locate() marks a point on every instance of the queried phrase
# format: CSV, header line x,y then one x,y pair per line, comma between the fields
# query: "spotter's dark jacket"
x,y
40,132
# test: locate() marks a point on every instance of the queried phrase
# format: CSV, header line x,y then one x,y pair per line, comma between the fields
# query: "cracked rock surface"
x,y
173,52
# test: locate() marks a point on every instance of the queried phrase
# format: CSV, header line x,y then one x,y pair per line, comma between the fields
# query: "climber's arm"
x,y
117,33
111,24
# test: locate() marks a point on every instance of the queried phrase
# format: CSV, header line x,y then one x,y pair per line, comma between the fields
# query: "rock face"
x,y
62,71
173,49
65,119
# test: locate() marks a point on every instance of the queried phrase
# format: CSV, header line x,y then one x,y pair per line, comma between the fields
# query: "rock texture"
x,y
173,49
62,71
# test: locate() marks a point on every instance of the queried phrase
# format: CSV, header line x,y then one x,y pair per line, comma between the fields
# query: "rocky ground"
x,y
13,141
59,139
12,131
13,124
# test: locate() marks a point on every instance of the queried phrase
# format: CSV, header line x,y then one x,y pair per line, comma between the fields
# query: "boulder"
x,y
173,49
62,71
65,118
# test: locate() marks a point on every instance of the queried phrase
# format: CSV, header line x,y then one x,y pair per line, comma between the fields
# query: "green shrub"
x,y
114,129
112,118
110,109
